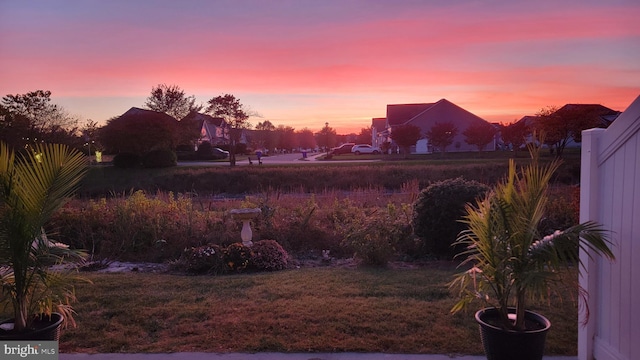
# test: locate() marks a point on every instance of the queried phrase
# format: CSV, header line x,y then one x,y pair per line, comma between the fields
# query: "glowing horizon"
x,y
304,63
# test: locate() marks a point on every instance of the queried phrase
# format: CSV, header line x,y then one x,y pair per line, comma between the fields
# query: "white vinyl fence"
x,y
610,195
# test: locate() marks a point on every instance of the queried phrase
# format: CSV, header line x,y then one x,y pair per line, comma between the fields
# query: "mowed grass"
x,y
303,310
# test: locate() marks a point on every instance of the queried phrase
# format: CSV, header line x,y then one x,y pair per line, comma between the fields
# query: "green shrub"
x,y
268,255
207,259
159,159
437,211
205,151
126,160
237,257
375,235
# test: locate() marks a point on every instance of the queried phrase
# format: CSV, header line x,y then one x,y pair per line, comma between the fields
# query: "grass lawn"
x,y
305,310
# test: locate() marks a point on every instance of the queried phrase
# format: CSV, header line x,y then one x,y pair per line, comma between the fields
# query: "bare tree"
x,y
32,117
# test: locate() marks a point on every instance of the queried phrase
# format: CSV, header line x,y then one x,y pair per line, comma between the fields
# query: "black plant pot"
x,y
502,344
43,328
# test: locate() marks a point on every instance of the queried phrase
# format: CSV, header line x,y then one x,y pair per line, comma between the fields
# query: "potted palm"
x,y
33,185
509,263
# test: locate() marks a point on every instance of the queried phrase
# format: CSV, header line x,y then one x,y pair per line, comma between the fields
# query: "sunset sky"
x,y
302,63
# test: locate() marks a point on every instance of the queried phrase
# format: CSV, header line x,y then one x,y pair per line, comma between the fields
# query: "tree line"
x,y
26,119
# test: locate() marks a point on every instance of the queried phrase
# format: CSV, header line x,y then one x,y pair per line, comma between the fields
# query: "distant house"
x,y
605,117
379,133
425,116
212,129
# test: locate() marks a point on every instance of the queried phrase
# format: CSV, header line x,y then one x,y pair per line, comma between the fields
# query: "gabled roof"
x,y
398,114
137,112
440,111
529,120
379,124
607,116
200,119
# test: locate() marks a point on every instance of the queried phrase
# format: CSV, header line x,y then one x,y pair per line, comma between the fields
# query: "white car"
x,y
364,149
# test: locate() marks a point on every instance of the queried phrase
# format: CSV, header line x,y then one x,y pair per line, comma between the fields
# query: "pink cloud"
x,y
497,62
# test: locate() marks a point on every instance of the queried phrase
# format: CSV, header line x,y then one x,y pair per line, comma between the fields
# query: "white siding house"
x,y
610,195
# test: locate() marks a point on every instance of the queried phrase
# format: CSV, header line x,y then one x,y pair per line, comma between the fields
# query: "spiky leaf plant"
x,y
33,185
510,262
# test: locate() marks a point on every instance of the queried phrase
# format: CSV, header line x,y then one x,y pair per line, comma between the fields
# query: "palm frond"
x,y
32,187
515,263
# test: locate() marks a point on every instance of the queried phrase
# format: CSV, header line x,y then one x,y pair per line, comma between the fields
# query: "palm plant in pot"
x,y
33,185
509,263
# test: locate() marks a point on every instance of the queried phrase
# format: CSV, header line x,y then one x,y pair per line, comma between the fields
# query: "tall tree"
x,y
406,136
480,134
441,135
90,135
559,126
232,111
171,100
326,138
265,136
364,137
286,139
515,134
31,116
306,140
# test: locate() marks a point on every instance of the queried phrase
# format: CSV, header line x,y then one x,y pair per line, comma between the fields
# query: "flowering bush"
x,y
207,259
237,257
269,255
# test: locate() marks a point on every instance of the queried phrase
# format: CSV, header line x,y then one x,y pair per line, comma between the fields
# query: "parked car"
x,y
342,149
220,153
364,149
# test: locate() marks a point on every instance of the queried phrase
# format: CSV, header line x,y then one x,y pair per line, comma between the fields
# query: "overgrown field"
x,y
385,175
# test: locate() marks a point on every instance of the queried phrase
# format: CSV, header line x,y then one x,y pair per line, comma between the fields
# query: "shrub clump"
x,y
437,210
375,236
126,160
237,257
206,259
159,159
268,255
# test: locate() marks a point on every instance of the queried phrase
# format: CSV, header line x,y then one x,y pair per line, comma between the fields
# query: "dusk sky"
x,y
302,63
